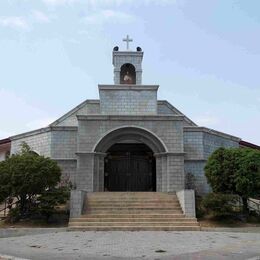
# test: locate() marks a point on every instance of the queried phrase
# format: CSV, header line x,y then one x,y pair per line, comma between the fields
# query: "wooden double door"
x,y
133,170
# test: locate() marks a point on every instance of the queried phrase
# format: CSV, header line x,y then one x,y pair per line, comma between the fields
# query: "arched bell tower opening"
x,y
127,74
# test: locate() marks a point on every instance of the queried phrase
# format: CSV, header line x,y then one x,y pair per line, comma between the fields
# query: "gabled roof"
x,y
249,145
174,109
74,110
5,141
96,101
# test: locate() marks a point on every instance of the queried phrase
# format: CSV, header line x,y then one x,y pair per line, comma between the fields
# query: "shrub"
x,y
235,171
217,204
32,180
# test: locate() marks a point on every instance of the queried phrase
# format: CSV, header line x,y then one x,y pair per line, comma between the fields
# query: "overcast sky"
x,y
204,54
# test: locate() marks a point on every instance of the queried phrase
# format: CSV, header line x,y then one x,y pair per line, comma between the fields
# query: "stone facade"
x,y
38,140
128,100
79,140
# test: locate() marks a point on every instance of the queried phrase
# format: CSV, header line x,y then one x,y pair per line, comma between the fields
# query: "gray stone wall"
x,y
193,145
128,100
64,143
40,142
211,142
163,109
196,168
90,107
169,129
199,144
69,170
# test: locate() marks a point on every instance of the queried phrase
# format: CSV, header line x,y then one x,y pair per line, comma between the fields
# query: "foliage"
x,y
50,199
218,204
235,171
28,177
200,210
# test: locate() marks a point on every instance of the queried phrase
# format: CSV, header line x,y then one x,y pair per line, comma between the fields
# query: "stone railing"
x,y
187,202
77,198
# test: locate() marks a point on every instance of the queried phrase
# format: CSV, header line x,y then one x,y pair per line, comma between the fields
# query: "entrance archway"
x,y
126,160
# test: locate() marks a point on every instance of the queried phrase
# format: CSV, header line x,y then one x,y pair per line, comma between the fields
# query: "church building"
x,y
127,140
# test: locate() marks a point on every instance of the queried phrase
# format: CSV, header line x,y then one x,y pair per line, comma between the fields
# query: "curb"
x,y
9,257
235,229
16,232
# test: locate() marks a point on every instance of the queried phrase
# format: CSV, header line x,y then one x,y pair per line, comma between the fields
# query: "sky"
x,y
204,54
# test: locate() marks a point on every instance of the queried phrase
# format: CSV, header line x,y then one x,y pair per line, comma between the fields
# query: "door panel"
x,y
129,173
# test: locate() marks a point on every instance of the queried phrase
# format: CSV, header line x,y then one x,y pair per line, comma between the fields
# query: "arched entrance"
x,y
130,167
126,160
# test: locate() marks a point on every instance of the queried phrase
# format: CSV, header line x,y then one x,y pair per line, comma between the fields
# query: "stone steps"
x,y
136,219
133,211
135,228
131,215
127,203
135,224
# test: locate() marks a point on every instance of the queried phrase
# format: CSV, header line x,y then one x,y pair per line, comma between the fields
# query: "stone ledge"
x,y
210,131
30,133
128,87
129,118
64,128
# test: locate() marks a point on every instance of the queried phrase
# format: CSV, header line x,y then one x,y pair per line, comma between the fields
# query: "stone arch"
x,y
127,134
127,74
134,133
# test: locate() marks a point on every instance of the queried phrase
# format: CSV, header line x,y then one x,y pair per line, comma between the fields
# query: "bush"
x,y
235,171
200,210
217,204
50,199
33,181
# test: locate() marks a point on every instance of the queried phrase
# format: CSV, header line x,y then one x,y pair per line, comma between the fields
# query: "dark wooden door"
x,y
129,172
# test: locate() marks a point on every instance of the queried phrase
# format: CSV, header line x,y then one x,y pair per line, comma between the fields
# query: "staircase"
x,y
133,211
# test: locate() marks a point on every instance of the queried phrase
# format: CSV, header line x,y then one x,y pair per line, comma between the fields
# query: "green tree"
x,y
26,176
235,171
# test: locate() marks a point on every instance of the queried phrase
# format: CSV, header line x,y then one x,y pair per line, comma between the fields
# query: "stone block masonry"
x,y
39,141
128,100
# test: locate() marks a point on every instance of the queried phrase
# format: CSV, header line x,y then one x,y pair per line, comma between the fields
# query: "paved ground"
x,y
134,245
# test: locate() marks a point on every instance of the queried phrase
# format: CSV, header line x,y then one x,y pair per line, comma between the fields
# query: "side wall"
x,y
39,142
63,150
58,143
199,144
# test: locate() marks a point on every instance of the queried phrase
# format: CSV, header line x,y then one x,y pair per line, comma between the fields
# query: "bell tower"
x,y
128,96
127,65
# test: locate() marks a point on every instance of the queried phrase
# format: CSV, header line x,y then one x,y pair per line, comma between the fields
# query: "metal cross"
x,y
127,40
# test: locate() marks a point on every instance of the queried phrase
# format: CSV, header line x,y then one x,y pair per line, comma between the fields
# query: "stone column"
x,y
175,172
99,171
161,172
158,173
85,171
